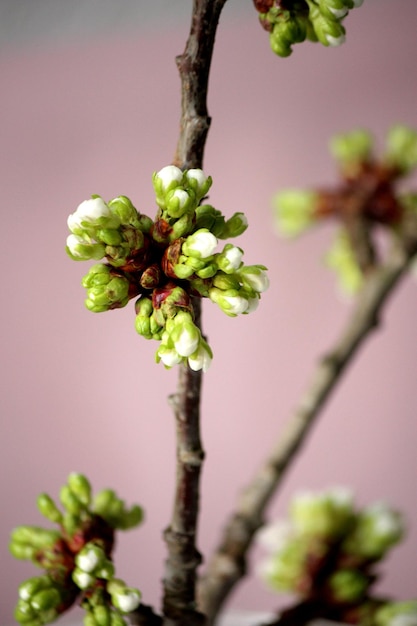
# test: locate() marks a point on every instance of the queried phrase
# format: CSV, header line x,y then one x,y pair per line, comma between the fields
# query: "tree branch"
x,y
228,564
179,605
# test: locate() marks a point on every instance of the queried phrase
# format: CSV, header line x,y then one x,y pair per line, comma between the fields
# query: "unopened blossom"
x,y
200,244
165,263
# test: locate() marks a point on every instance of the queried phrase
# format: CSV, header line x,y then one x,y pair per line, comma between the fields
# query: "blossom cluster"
x,y
366,202
293,22
166,262
76,557
327,551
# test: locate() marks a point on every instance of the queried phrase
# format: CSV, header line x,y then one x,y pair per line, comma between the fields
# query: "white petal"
x,y
128,601
234,256
88,561
169,174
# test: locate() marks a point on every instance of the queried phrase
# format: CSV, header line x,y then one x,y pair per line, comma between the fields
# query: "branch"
x,y
180,537
228,564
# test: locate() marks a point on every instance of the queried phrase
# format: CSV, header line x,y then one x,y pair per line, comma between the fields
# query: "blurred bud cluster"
x,y
166,262
327,553
369,201
293,21
76,557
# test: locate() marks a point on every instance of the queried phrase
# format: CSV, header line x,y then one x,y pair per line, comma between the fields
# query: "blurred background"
x,y
90,103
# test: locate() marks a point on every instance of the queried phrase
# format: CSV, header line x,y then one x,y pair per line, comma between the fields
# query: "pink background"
x,y
81,391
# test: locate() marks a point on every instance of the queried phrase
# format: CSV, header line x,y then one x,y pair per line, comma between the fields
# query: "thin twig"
x,y
228,564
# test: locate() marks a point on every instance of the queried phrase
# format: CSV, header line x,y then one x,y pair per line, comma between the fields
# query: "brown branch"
x,y
179,604
228,564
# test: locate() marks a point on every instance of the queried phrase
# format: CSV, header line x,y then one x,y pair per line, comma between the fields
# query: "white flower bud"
x,y
256,278
234,257
198,176
128,601
234,305
83,580
201,360
73,243
168,175
335,41
88,211
88,561
200,244
187,342
169,357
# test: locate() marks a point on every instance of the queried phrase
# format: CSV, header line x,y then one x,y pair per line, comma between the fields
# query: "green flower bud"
x,y
117,620
34,536
226,282
46,599
80,487
122,208
178,202
402,148
26,614
328,514
145,322
348,585
109,236
183,270
288,30
378,528
181,227
352,149
294,211
133,517
234,226
230,301
397,614
49,509
209,218
31,586
22,551
70,501
114,511
284,570
102,615
71,522
341,259
106,289
208,271
89,619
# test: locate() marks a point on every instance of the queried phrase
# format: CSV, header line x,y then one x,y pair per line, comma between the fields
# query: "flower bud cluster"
x,y
76,558
165,263
41,600
328,549
315,20
366,200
